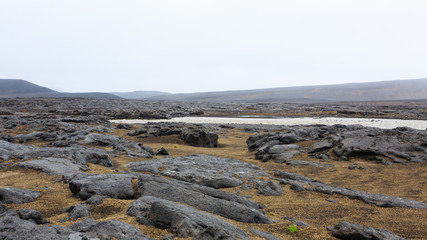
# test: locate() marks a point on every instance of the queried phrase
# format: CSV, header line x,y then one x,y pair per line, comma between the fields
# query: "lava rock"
x,y
14,228
17,195
199,137
162,151
31,215
346,230
207,199
182,220
205,170
54,166
263,187
117,186
96,200
78,211
263,234
108,229
278,149
3,208
105,140
123,126
380,200
320,146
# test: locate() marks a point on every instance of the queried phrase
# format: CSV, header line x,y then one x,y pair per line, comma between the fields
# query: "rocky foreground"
x,y
68,173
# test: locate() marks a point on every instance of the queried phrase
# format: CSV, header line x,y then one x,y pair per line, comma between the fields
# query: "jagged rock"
x,y
54,166
199,137
346,230
207,199
182,220
278,149
124,126
201,169
263,234
263,187
17,195
108,230
92,155
7,138
320,146
118,186
78,211
307,163
105,140
31,215
394,145
96,200
297,223
193,134
352,166
257,141
147,149
77,154
284,157
120,145
14,228
43,136
162,151
167,237
381,145
3,208
298,182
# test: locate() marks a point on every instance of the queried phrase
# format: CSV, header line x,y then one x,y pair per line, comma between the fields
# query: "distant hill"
x,y
140,94
17,87
11,88
373,91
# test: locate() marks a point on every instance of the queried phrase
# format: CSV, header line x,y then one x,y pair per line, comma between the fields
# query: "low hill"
x,y
18,87
139,94
11,88
373,91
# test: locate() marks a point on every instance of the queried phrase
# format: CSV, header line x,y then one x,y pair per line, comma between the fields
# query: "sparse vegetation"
x,y
292,228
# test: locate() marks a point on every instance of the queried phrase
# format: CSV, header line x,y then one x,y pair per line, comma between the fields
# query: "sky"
x,y
210,45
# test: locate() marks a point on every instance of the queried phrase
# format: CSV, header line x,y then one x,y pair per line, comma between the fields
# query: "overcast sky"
x,y
201,45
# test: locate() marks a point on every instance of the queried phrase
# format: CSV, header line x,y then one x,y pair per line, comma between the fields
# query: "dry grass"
x,y
408,181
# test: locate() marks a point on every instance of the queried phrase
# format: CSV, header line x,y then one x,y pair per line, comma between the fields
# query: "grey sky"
x,y
201,45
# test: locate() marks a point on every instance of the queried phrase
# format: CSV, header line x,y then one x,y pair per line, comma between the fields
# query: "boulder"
x,y
162,151
117,186
54,166
78,211
320,146
297,183
278,149
207,199
264,235
14,228
96,200
31,215
105,140
110,229
182,220
346,230
17,195
205,170
199,137
3,208
263,187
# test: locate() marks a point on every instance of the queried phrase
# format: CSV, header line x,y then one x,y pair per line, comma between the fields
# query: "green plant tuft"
x,y
292,228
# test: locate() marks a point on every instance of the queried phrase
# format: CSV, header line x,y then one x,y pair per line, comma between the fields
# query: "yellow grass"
x,y
409,181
